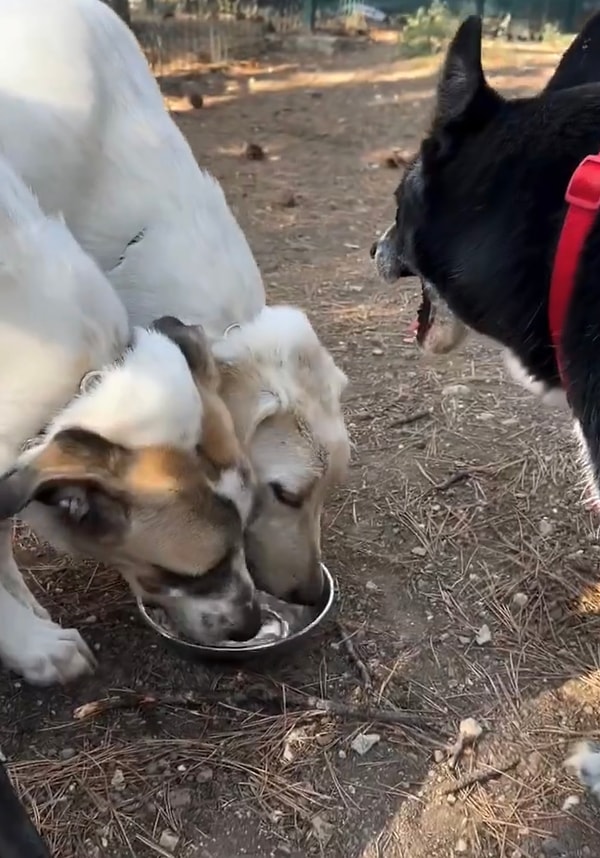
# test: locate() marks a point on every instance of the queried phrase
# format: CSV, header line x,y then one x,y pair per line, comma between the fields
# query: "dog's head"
x,y
480,206
283,390
143,471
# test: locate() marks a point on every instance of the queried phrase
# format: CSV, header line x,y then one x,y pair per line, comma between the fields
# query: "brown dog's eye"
x,y
285,497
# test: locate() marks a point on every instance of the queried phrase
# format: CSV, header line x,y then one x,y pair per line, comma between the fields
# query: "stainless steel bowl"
x,y
267,649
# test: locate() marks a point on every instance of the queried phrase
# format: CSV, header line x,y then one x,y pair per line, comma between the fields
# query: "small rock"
x,y
456,390
461,846
67,754
322,829
181,797
470,729
342,754
570,802
287,199
546,527
363,742
204,775
254,152
377,352
168,840
191,90
483,636
118,780
439,756
451,798
372,586
419,551
535,761
519,600
552,848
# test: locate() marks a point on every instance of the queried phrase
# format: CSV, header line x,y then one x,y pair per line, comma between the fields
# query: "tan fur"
x,y
283,546
164,514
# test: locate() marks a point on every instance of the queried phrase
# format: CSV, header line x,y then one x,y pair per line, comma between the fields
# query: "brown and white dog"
x,y
138,466
83,122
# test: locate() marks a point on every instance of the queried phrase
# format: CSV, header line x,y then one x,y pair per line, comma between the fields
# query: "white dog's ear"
x,y
225,351
268,404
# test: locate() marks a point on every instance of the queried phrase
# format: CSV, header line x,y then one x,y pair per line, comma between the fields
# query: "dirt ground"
x,y
462,522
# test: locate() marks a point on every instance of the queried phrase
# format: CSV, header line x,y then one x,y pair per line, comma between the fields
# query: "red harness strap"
x,y
583,197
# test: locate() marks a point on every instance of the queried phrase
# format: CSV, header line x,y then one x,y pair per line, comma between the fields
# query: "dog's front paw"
x,y
43,652
21,591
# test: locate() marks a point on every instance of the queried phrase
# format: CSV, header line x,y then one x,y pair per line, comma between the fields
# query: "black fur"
x,y
18,837
481,209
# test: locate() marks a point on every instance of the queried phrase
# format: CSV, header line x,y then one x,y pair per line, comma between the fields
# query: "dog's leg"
x,y
38,649
11,577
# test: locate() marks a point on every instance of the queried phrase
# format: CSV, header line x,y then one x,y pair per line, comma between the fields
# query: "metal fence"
x,y
176,36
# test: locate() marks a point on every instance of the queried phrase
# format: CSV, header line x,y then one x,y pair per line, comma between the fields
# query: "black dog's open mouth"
x,y
436,329
424,316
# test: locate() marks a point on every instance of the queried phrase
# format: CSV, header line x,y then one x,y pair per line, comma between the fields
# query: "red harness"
x,y
583,197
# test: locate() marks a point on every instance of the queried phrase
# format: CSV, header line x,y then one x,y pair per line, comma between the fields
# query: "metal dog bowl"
x,y
253,649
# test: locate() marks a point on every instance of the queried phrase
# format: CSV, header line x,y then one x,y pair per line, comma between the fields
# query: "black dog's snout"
x,y
373,250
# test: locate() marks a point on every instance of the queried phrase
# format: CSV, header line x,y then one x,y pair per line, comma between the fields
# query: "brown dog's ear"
x,y
580,64
194,345
77,474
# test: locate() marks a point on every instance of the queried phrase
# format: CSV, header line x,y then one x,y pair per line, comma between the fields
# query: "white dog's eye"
x,y
285,497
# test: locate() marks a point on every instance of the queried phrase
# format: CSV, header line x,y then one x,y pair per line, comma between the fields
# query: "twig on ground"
x,y
409,418
290,699
361,667
458,477
480,776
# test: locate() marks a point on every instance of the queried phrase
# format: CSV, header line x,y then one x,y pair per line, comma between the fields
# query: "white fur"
x,y
59,318
231,485
554,397
84,124
584,762
147,398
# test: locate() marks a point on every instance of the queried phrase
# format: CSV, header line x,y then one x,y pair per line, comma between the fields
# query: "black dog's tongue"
x,y
424,316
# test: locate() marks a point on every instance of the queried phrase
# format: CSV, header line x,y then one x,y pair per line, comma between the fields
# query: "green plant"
x,y
427,31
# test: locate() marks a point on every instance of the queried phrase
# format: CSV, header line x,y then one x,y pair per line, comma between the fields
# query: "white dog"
x,y
83,122
140,468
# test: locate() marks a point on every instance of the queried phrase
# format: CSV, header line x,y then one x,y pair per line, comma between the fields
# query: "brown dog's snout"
x,y
251,622
310,591
373,250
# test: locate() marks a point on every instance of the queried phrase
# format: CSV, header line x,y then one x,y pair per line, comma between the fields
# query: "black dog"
x,y
481,211
18,837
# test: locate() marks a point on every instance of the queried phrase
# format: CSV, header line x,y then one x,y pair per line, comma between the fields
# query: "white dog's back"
x,y
59,315
86,127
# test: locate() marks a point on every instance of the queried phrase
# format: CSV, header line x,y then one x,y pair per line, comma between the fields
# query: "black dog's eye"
x,y
285,497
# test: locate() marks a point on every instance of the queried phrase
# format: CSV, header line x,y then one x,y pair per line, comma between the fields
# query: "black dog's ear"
x,y
462,76
580,63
